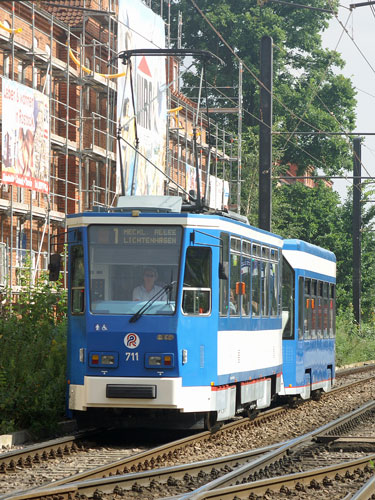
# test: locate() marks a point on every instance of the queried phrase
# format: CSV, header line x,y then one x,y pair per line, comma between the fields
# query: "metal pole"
x,y
239,144
357,229
11,244
265,135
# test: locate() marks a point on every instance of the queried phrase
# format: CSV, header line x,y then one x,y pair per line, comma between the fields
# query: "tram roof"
x,y
219,222
303,246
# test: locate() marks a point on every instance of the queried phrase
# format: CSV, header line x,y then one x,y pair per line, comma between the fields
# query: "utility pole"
x,y
265,134
357,229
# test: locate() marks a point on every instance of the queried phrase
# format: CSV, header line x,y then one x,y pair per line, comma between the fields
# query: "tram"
x,y
174,318
309,281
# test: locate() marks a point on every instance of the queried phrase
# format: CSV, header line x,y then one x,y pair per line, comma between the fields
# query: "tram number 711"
x,y
131,356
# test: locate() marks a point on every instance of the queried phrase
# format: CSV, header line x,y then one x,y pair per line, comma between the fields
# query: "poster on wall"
x,y
140,28
25,137
191,178
218,197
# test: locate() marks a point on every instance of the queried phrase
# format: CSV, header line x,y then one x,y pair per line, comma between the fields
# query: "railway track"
x,y
157,457
27,457
222,472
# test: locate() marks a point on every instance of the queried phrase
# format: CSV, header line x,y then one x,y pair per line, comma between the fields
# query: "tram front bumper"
x,y
128,392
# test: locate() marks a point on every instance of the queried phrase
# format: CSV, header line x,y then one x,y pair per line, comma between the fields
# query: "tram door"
x,y
197,318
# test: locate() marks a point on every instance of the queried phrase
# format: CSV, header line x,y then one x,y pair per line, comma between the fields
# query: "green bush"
x,y
33,357
353,344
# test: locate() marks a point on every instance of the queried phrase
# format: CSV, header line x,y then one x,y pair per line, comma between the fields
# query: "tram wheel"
x,y
252,413
210,421
293,401
316,395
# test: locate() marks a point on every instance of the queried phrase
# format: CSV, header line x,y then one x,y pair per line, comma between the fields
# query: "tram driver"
x,y
148,289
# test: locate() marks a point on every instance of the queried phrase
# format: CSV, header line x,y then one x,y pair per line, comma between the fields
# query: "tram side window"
x,y
319,306
265,288
313,307
246,279
77,272
332,311
301,308
307,311
196,297
288,301
325,311
255,287
274,280
235,276
224,274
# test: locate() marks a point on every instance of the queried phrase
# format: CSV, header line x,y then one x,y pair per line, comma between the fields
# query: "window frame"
x,y
78,287
198,289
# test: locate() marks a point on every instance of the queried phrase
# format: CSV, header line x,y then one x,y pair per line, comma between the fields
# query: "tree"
x,y
308,94
317,216
313,215
344,270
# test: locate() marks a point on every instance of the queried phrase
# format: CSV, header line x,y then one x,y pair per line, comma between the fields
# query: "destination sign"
x,y
130,235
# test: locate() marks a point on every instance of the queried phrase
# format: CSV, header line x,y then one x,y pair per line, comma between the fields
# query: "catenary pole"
x,y
357,229
265,134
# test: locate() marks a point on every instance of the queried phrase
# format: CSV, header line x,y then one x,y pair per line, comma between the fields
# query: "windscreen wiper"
x,y
154,298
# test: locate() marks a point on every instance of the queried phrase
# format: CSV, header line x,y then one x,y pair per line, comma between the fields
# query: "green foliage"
x,y
309,95
33,356
312,215
317,216
353,344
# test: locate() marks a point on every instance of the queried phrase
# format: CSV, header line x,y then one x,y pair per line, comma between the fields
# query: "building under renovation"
x,y
68,101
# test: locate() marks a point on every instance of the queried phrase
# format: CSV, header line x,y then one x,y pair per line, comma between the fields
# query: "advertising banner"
x,y
25,137
218,197
140,28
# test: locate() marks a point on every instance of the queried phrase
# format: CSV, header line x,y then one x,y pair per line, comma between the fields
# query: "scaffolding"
x,y
64,54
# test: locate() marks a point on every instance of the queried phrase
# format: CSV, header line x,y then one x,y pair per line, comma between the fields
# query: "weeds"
x,y
33,357
353,344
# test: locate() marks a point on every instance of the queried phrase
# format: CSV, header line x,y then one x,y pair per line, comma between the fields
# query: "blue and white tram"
x,y
203,343
309,277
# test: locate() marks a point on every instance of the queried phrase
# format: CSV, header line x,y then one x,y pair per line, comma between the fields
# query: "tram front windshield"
x,y
131,265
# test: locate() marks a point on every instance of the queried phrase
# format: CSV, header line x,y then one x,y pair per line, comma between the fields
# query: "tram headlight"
x,y
108,359
163,360
103,359
154,360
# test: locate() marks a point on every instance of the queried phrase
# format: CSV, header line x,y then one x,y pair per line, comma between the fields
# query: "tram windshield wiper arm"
x,y
154,298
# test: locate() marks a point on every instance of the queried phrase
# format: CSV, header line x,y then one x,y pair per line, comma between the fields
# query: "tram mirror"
x,y
222,273
54,266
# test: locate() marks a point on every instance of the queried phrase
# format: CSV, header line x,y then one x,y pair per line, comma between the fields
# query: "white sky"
x,y
360,23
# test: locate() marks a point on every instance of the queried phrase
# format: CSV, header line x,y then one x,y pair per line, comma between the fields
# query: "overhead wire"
x,y
261,121
341,126
312,97
315,94
294,115
352,38
355,44
301,120
260,83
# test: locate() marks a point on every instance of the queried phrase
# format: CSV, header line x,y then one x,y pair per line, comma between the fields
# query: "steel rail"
x,y
150,458
156,456
366,492
241,473
60,446
268,456
275,483
366,366
107,484
43,451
